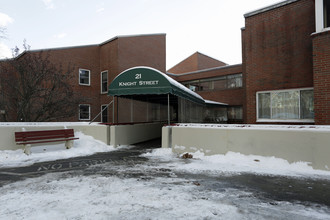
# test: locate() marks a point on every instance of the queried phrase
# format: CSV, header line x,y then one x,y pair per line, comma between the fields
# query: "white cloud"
x,y
60,36
49,4
5,51
5,20
100,10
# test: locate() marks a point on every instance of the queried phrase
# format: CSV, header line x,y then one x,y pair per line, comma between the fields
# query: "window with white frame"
x,y
84,112
104,82
84,77
295,104
322,14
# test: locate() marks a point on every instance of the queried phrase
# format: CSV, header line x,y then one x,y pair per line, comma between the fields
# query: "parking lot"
x,y
246,195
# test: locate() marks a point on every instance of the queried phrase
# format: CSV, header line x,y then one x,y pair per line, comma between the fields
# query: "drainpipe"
x,y
168,108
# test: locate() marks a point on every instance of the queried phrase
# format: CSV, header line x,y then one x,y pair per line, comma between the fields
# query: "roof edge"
x,y
81,46
268,8
204,70
124,36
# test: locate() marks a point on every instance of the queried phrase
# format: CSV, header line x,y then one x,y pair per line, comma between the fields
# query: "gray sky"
x,y
212,27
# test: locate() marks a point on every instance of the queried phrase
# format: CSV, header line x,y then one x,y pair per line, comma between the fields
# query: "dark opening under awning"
x,y
147,81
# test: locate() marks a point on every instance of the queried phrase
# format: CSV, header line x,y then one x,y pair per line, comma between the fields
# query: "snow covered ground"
x,y
75,195
85,145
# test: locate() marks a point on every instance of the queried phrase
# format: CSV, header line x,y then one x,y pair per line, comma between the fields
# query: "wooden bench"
x,y
27,138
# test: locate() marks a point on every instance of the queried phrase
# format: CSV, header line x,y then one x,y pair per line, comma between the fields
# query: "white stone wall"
x,y
308,145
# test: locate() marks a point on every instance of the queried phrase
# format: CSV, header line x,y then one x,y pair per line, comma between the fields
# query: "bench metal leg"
x,y
69,144
27,149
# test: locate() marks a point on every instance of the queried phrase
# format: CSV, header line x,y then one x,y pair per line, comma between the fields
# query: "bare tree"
x,y
35,89
2,32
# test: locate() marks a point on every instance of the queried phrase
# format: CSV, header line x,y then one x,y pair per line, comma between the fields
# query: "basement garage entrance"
x,y
144,94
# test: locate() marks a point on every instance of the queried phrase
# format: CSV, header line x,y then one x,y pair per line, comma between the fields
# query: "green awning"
x,y
146,81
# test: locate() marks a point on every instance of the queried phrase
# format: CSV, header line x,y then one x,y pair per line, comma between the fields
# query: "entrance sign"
x,y
146,81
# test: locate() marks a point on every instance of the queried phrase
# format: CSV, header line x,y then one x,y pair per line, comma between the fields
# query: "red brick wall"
x,y
109,62
206,62
125,52
85,58
189,64
195,62
321,63
148,50
278,51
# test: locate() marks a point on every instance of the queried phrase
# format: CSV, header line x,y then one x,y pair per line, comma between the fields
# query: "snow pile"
x,y
233,162
258,127
85,145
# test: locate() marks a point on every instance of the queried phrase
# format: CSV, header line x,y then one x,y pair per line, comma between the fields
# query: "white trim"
x,y
287,120
284,90
89,111
281,120
319,17
106,91
89,77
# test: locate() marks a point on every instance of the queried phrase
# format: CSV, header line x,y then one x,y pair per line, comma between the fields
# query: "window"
x,y
235,113
84,112
234,81
84,77
217,83
326,13
104,82
322,14
286,105
104,114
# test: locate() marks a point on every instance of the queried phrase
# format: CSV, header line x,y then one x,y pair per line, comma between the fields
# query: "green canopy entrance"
x,y
147,81
147,94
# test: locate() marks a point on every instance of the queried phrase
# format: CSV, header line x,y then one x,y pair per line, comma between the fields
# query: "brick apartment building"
x,y
284,76
95,66
213,80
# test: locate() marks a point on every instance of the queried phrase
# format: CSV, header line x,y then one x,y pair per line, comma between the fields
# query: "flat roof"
x,y
204,70
81,46
123,36
268,8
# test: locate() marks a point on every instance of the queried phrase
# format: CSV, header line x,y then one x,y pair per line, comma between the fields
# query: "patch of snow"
x,y
179,147
214,102
85,145
232,162
98,197
41,124
68,196
257,127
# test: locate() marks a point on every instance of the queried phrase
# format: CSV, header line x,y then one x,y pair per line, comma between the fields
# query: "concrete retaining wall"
x,y
7,131
308,145
132,134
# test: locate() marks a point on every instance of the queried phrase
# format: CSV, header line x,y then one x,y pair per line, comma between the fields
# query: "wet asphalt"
x,y
270,189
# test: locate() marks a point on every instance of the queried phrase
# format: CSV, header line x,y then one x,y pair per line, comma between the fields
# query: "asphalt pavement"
x,y
271,189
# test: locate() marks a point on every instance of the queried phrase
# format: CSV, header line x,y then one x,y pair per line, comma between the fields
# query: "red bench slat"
x,y
37,142
29,137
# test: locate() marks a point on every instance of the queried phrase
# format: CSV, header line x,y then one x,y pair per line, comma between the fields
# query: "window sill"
x,y
287,120
324,30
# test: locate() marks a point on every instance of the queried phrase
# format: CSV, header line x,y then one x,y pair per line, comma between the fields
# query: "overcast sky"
x,y
212,27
